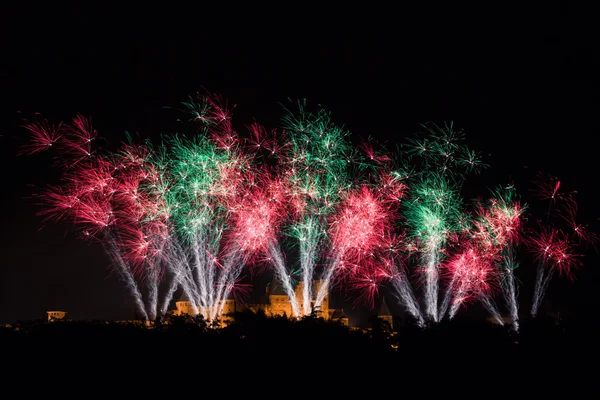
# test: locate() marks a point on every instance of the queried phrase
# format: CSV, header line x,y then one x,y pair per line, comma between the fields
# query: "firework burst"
x,y
196,210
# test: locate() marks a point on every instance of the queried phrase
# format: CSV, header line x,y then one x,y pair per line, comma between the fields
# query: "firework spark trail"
x,y
152,282
326,277
125,272
403,289
543,243
356,232
101,196
317,163
555,254
555,248
486,300
460,295
233,268
275,253
496,230
432,284
210,276
202,272
391,188
141,221
490,233
490,305
450,289
256,219
308,254
308,235
473,277
509,290
123,195
432,212
433,209
542,280
208,174
197,211
178,265
198,271
175,283
455,305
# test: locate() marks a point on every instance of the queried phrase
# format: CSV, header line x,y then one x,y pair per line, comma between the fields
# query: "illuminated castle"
x,y
56,315
275,303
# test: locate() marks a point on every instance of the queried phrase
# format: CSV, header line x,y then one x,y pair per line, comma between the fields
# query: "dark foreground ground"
x,y
277,358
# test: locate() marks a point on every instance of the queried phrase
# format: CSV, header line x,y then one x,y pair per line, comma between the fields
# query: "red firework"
x,y
580,232
43,135
367,282
555,245
496,226
373,155
78,138
471,274
261,140
391,187
107,198
256,217
548,188
555,249
362,242
359,226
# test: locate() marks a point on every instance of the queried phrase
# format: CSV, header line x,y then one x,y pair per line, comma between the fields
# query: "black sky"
x,y
520,82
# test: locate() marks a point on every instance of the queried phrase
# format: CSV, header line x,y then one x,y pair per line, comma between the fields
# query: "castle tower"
x,y
324,309
184,307
56,315
228,312
279,302
299,296
385,314
229,306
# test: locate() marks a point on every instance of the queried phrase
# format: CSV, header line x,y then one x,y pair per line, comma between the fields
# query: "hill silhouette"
x,y
471,358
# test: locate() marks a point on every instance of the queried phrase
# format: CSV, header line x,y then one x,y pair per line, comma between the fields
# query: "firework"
x,y
43,135
356,232
197,210
256,223
110,199
500,229
209,178
556,242
317,164
160,214
433,210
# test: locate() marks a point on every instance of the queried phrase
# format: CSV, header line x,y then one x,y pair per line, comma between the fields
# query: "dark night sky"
x,y
520,82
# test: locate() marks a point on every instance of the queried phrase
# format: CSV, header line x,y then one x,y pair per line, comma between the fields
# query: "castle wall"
x,y
276,305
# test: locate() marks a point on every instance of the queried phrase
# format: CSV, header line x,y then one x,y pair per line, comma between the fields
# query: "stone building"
x,y
386,315
275,302
56,315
